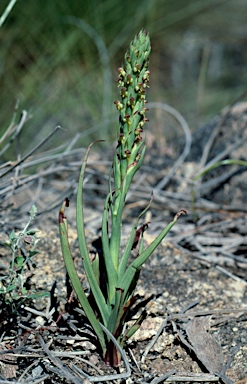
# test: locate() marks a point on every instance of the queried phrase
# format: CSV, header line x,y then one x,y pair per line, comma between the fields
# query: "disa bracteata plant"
x,y
112,276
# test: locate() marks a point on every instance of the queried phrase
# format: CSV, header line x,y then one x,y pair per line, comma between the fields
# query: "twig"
x,y
18,129
160,330
216,182
62,369
230,359
163,377
211,139
191,377
188,141
134,359
31,152
234,277
153,341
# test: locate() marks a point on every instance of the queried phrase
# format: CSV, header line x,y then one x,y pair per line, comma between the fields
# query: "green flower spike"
x,y
133,80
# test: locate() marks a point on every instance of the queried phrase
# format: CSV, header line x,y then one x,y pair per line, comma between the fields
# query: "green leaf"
x,y
13,236
75,279
130,332
96,291
218,164
112,276
127,251
112,322
38,295
19,262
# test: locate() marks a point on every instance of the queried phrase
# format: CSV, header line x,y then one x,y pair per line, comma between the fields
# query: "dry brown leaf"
x,y
206,347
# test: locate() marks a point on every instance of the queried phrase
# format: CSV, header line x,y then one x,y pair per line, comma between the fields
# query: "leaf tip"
x,y
61,216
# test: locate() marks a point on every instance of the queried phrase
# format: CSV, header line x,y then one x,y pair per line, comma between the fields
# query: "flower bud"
x,y
121,71
118,105
129,79
124,92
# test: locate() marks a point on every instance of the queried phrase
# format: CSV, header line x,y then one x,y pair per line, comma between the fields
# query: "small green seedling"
x,y
113,274
13,286
219,164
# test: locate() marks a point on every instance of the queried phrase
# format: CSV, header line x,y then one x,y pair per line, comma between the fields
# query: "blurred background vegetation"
x,y
59,59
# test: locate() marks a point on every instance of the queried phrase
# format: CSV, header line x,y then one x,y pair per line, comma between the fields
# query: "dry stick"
x,y
191,377
47,314
67,150
74,356
7,133
23,185
31,178
227,273
32,151
221,122
216,182
46,157
210,142
164,377
212,137
164,200
188,141
221,225
237,258
62,372
37,379
54,168
28,381
72,168
160,330
224,153
220,179
207,254
206,245
153,341
215,259
62,369
207,313
134,359
166,196
18,129
230,359
27,369
209,262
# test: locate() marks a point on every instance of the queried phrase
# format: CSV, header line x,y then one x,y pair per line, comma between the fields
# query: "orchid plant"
x,y
113,274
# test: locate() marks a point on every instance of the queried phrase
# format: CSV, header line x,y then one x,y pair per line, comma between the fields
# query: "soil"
x,y
194,285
